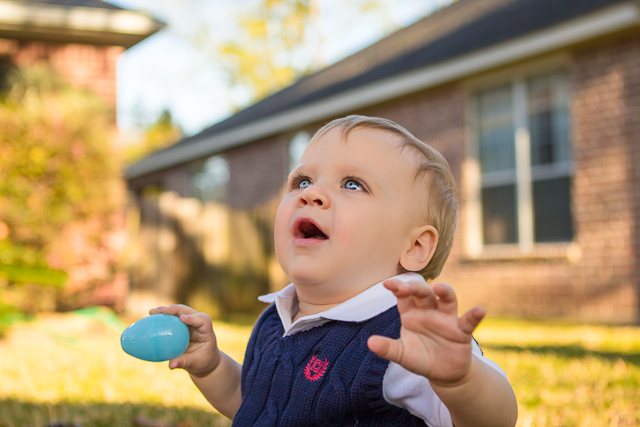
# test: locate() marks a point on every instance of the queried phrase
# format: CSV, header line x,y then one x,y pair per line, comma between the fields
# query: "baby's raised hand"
x,y
434,341
202,355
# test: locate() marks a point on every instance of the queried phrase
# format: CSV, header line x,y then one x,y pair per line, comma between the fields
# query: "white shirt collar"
x,y
367,304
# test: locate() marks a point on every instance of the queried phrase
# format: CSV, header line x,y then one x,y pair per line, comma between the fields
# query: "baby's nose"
x,y
315,196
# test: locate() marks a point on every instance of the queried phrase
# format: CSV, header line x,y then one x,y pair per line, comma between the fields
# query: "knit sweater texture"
x,y
325,376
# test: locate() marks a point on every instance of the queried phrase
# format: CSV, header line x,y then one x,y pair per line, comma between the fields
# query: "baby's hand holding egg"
x,y
156,338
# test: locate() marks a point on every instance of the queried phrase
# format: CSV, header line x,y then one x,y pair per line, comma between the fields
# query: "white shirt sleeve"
x,y
414,393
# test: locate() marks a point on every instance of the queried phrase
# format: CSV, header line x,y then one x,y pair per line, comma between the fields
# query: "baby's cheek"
x,y
280,227
280,245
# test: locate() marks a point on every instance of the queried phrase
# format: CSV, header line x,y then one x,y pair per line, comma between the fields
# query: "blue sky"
x,y
167,71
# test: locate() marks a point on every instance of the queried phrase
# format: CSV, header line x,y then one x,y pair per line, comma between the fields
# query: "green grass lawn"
x,y
71,368
568,375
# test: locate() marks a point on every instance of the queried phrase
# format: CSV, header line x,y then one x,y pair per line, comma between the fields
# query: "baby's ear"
x,y
423,243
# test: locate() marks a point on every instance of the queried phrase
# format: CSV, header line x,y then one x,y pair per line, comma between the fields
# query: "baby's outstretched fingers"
x,y
471,319
387,348
394,285
413,288
447,300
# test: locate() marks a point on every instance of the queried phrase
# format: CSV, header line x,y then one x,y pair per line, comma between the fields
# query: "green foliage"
x,y
161,134
57,166
269,30
26,265
10,315
273,43
56,159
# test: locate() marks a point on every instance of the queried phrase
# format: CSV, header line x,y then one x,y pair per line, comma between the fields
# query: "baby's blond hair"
x,y
442,206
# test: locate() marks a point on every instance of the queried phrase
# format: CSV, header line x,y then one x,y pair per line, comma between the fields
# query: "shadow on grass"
x,y
568,352
17,413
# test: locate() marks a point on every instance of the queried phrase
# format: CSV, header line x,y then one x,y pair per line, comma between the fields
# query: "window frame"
x,y
297,138
472,177
197,171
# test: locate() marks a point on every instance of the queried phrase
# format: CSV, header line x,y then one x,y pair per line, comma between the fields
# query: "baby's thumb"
x,y
178,363
386,348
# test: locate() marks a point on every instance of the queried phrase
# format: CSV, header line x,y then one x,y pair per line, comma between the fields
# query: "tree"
x,y
278,41
262,45
161,134
256,59
57,166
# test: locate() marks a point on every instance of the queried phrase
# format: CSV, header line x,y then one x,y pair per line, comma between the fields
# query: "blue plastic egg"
x,y
156,338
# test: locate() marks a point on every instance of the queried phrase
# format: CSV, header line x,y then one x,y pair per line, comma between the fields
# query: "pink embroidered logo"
x,y
315,368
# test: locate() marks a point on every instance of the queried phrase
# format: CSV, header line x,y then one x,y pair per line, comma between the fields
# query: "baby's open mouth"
x,y
306,229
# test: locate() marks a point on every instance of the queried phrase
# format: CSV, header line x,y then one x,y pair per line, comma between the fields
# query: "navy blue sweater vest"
x,y
325,376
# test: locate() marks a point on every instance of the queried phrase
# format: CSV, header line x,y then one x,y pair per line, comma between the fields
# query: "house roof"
x,y
75,3
453,33
74,21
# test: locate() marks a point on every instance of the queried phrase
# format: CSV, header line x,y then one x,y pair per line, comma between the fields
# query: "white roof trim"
x,y
587,27
75,18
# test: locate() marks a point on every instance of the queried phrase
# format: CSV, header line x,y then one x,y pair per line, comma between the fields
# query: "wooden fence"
x,y
208,256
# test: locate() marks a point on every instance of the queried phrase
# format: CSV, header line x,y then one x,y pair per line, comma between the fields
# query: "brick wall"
x,y
600,284
603,194
93,67
257,171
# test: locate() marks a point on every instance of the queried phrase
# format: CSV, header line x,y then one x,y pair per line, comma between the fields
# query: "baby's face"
x,y
348,212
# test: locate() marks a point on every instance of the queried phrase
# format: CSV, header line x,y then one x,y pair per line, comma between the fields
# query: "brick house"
x,y
535,104
81,40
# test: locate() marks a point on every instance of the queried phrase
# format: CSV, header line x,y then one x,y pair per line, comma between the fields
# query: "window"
x,y
209,181
296,148
524,156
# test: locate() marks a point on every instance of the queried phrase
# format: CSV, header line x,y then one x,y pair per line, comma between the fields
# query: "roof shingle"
x,y
75,3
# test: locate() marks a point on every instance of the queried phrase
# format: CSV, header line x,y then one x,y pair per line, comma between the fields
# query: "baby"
x,y
358,337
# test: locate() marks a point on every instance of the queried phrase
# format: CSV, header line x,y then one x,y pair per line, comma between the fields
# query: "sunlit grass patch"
x,y
77,368
618,339
26,414
71,368
568,375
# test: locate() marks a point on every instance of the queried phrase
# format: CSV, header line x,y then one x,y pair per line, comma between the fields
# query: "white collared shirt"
x,y
400,387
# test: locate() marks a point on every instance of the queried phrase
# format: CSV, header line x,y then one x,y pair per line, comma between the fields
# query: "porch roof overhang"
x,y
71,23
610,20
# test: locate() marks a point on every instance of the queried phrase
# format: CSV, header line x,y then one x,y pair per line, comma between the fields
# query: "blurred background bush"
x,y
59,170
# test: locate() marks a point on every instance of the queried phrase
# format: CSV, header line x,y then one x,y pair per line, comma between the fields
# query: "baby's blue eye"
x,y
353,185
304,184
